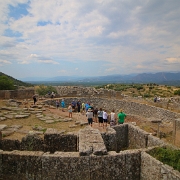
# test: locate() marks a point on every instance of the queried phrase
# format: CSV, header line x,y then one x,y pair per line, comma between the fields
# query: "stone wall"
x,y
51,142
91,161
137,137
156,170
78,91
17,94
110,139
66,165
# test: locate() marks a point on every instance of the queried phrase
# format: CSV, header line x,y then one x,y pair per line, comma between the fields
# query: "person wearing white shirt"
x,y
105,117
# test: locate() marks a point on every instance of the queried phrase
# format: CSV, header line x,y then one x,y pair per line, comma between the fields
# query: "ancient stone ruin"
x,y
119,153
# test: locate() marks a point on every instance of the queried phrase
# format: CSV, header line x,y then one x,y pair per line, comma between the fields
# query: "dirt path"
x,y
77,117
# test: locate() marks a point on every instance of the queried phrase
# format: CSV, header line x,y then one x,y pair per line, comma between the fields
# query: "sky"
x,y
88,37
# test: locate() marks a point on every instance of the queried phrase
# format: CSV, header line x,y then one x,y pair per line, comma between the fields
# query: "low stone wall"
x,y
51,142
17,94
137,137
154,141
66,165
156,170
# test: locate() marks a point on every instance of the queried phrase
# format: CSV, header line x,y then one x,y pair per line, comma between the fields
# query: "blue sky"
x,y
88,38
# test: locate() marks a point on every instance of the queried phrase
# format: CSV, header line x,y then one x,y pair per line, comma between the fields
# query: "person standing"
x,y
57,104
62,105
100,117
112,118
70,110
34,99
95,114
83,108
89,115
78,106
73,105
105,117
121,117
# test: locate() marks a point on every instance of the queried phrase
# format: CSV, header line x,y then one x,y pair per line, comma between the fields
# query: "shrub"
x,y
167,156
147,95
177,92
43,90
6,83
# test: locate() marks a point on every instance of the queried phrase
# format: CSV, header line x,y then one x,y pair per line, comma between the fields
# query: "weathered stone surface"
x,y
9,144
2,126
21,116
110,140
32,142
137,137
49,121
72,126
64,165
3,118
7,132
57,141
9,116
90,141
24,165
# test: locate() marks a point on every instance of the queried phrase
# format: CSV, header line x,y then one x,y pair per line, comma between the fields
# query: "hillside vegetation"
x,y
10,83
144,90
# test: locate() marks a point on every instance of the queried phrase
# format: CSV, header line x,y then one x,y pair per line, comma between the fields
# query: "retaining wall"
x,y
71,166
17,94
52,141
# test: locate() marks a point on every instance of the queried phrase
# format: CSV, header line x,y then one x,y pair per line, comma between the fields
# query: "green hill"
x,y
13,81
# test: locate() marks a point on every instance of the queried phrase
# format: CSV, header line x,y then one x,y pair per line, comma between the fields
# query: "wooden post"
x,y
174,131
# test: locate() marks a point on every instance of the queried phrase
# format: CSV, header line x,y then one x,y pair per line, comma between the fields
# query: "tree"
x,y
6,83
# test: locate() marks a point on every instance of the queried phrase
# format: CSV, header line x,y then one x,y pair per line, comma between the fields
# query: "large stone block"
x,y
21,165
10,144
56,141
121,136
65,165
114,166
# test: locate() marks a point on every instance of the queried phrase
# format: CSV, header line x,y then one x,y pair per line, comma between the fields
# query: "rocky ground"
x,y
18,118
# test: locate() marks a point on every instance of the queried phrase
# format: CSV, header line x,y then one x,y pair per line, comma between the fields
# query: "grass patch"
x,y
167,156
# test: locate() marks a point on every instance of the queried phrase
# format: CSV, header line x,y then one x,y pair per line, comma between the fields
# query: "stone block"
x,y
21,165
2,126
10,144
65,165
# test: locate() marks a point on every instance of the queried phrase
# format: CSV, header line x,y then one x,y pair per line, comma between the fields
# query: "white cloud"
x,y
125,34
4,62
48,61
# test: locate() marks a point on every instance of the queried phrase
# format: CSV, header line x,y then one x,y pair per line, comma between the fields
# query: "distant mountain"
x,y
169,78
157,77
58,78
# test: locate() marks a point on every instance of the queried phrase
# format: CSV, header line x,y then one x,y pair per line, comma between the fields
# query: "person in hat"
x,y
89,115
121,117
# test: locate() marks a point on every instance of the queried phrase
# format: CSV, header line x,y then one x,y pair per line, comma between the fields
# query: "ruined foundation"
x,y
120,154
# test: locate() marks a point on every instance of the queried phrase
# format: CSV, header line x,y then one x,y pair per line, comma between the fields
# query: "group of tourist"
x,y
93,115
102,117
